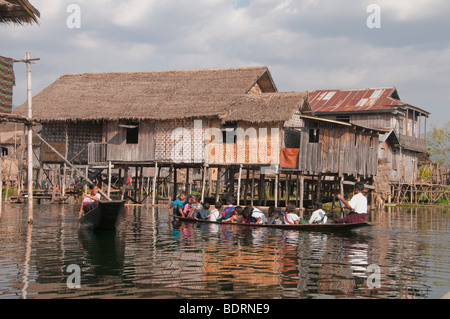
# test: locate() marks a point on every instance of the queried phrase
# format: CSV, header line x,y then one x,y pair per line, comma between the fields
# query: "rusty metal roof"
x,y
357,100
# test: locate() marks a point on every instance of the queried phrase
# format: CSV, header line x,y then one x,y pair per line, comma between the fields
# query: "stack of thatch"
x,y
18,11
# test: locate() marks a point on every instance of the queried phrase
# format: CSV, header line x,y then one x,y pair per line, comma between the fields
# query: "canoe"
x,y
106,216
303,227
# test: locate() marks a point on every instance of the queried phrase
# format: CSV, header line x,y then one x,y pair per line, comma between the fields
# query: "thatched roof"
x,y
160,95
18,11
268,107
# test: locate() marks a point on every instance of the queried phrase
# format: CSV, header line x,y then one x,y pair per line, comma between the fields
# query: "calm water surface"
x,y
153,256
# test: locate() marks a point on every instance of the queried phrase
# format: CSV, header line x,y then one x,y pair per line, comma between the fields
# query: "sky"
x,y
307,45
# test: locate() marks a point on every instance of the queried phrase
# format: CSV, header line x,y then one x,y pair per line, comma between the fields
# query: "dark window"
x,y
229,133
314,135
343,118
132,133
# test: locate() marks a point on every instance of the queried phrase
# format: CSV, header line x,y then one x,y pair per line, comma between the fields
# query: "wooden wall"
x,y
256,144
339,150
119,150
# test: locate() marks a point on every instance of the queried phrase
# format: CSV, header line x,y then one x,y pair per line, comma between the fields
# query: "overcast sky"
x,y
307,45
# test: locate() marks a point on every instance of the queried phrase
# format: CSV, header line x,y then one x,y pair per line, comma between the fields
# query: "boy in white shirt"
x,y
215,213
357,205
318,216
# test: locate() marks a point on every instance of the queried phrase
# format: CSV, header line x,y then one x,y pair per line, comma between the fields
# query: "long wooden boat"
x,y
303,227
106,216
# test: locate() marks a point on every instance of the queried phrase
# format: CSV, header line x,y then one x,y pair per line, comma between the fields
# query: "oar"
x,y
342,207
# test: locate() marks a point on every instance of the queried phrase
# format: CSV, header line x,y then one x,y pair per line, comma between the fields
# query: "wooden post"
x,y
277,180
203,182
154,184
186,187
175,184
261,187
301,195
239,186
218,183
247,181
253,187
30,141
109,180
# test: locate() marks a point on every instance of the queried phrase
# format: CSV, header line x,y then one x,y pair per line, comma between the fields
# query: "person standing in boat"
x,y
357,205
90,201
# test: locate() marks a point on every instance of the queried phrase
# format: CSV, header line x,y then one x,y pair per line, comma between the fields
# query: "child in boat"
x,y
215,213
276,216
187,207
247,215
290,217
237,216
258,217
202,213
228,211
90,201
179,204
318,216
195,206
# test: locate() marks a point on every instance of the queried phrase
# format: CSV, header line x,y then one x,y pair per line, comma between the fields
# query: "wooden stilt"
x,y
203,182
253,188
109,180
155,178
277,180
301,194
239,186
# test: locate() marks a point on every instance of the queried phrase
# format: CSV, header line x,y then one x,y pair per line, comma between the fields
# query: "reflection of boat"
x,y
305,227
106,216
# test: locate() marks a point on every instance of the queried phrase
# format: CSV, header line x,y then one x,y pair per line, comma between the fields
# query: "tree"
x,y
439,144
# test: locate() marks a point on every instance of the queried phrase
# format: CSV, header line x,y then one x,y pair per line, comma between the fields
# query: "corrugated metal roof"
x,y
371,99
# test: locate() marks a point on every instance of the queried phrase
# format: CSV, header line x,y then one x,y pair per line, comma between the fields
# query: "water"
x,y
153,256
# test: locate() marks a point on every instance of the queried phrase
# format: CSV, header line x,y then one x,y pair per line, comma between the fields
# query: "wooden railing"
x,y
97,153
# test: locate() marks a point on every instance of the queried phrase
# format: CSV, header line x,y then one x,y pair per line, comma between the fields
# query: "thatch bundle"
x,y
18,12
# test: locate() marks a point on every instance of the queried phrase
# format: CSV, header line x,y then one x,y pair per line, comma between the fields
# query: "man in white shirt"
x,y
318,216
357,205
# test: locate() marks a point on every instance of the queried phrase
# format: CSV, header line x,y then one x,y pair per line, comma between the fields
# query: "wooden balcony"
x,y
413,143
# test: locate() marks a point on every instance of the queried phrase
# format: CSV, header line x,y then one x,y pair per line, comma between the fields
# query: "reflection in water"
x,y
154,256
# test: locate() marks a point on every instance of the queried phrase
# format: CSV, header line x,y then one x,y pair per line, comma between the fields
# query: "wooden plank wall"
x,y
119,150
340,150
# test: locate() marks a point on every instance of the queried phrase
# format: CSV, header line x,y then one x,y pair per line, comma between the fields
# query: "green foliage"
x,y
439,144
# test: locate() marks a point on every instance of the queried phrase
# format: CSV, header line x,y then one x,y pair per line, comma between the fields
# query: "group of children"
x,y
189,206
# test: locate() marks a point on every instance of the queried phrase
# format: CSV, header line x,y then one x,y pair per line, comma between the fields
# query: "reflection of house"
x,y
404,125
